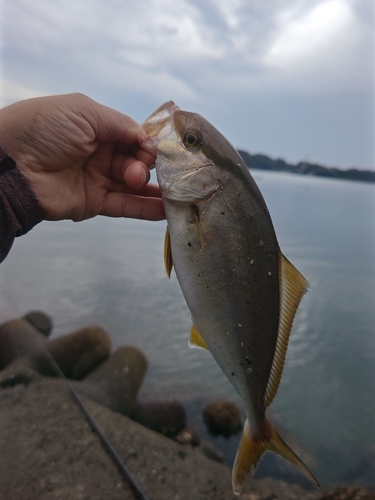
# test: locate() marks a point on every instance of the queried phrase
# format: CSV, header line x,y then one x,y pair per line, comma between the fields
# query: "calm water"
x,y
111,272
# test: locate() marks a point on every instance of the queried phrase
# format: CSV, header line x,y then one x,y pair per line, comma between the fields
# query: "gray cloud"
x,y
289,78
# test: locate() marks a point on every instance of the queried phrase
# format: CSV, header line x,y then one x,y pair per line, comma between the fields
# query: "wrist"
x,y
3,154
20,210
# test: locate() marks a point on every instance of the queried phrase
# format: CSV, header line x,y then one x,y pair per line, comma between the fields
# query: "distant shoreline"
x,y
263,162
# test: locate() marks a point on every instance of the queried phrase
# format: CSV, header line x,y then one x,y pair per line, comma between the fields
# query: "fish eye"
x,y
191,139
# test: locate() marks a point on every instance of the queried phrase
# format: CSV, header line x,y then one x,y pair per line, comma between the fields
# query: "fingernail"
x,y
143,177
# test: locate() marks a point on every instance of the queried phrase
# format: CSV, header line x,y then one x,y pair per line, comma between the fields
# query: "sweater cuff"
x,y
20,210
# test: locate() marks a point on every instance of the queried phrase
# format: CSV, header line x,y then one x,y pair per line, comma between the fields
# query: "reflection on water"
x,y
111,272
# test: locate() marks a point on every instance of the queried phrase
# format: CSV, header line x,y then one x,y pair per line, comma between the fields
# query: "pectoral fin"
x,y
199,226
168,262
196,340
292,288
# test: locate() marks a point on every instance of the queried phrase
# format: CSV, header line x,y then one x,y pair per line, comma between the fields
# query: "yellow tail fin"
x,y
250,452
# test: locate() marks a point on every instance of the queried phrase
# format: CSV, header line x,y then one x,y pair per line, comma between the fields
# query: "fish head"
x,y
158,126
189,154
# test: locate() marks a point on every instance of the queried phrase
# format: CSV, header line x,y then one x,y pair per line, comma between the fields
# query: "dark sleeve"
x,y
19,208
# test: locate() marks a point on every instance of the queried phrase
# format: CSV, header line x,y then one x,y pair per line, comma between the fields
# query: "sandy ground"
x,y
48,451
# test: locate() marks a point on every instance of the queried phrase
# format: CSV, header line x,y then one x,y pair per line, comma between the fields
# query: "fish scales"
x,y
241,291
230,286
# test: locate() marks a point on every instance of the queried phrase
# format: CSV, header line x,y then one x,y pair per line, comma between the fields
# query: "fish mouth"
x,y
158,126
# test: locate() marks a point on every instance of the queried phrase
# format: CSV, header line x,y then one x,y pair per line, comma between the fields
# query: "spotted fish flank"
x,y
241,291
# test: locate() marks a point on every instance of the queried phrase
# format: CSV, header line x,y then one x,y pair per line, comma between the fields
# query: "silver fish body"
x,y
241,291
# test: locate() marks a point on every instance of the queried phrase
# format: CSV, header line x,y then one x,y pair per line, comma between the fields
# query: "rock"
x,y
48,451
18,338
189,437
166,417
210,451
17,375
222,417
76,353
351,493
252,496
40,320
363,472
116,382
52,453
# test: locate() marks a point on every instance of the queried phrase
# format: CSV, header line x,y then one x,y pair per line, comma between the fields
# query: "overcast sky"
x,y
288,78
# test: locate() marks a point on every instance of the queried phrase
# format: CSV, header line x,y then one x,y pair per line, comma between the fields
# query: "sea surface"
x,y
111,272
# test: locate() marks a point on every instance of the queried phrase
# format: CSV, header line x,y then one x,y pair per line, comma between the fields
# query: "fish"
x,y
242,292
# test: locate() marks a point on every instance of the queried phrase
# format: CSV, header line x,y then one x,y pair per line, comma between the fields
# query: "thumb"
x,y
110,125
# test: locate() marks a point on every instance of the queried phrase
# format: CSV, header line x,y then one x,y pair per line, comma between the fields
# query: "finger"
x,y
150,190
134,206
136,175
110,125
138,152
120,164
146,157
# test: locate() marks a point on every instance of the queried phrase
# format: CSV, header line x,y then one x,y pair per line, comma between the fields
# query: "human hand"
x,y
81,158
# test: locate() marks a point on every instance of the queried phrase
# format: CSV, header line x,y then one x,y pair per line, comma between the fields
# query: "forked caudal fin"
x,y
250,452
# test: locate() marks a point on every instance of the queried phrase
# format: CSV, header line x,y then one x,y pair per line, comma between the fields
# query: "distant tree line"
x,y
263,162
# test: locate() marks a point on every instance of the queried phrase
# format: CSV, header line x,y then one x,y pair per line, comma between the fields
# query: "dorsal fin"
x,y
168,262
292,288
196,339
